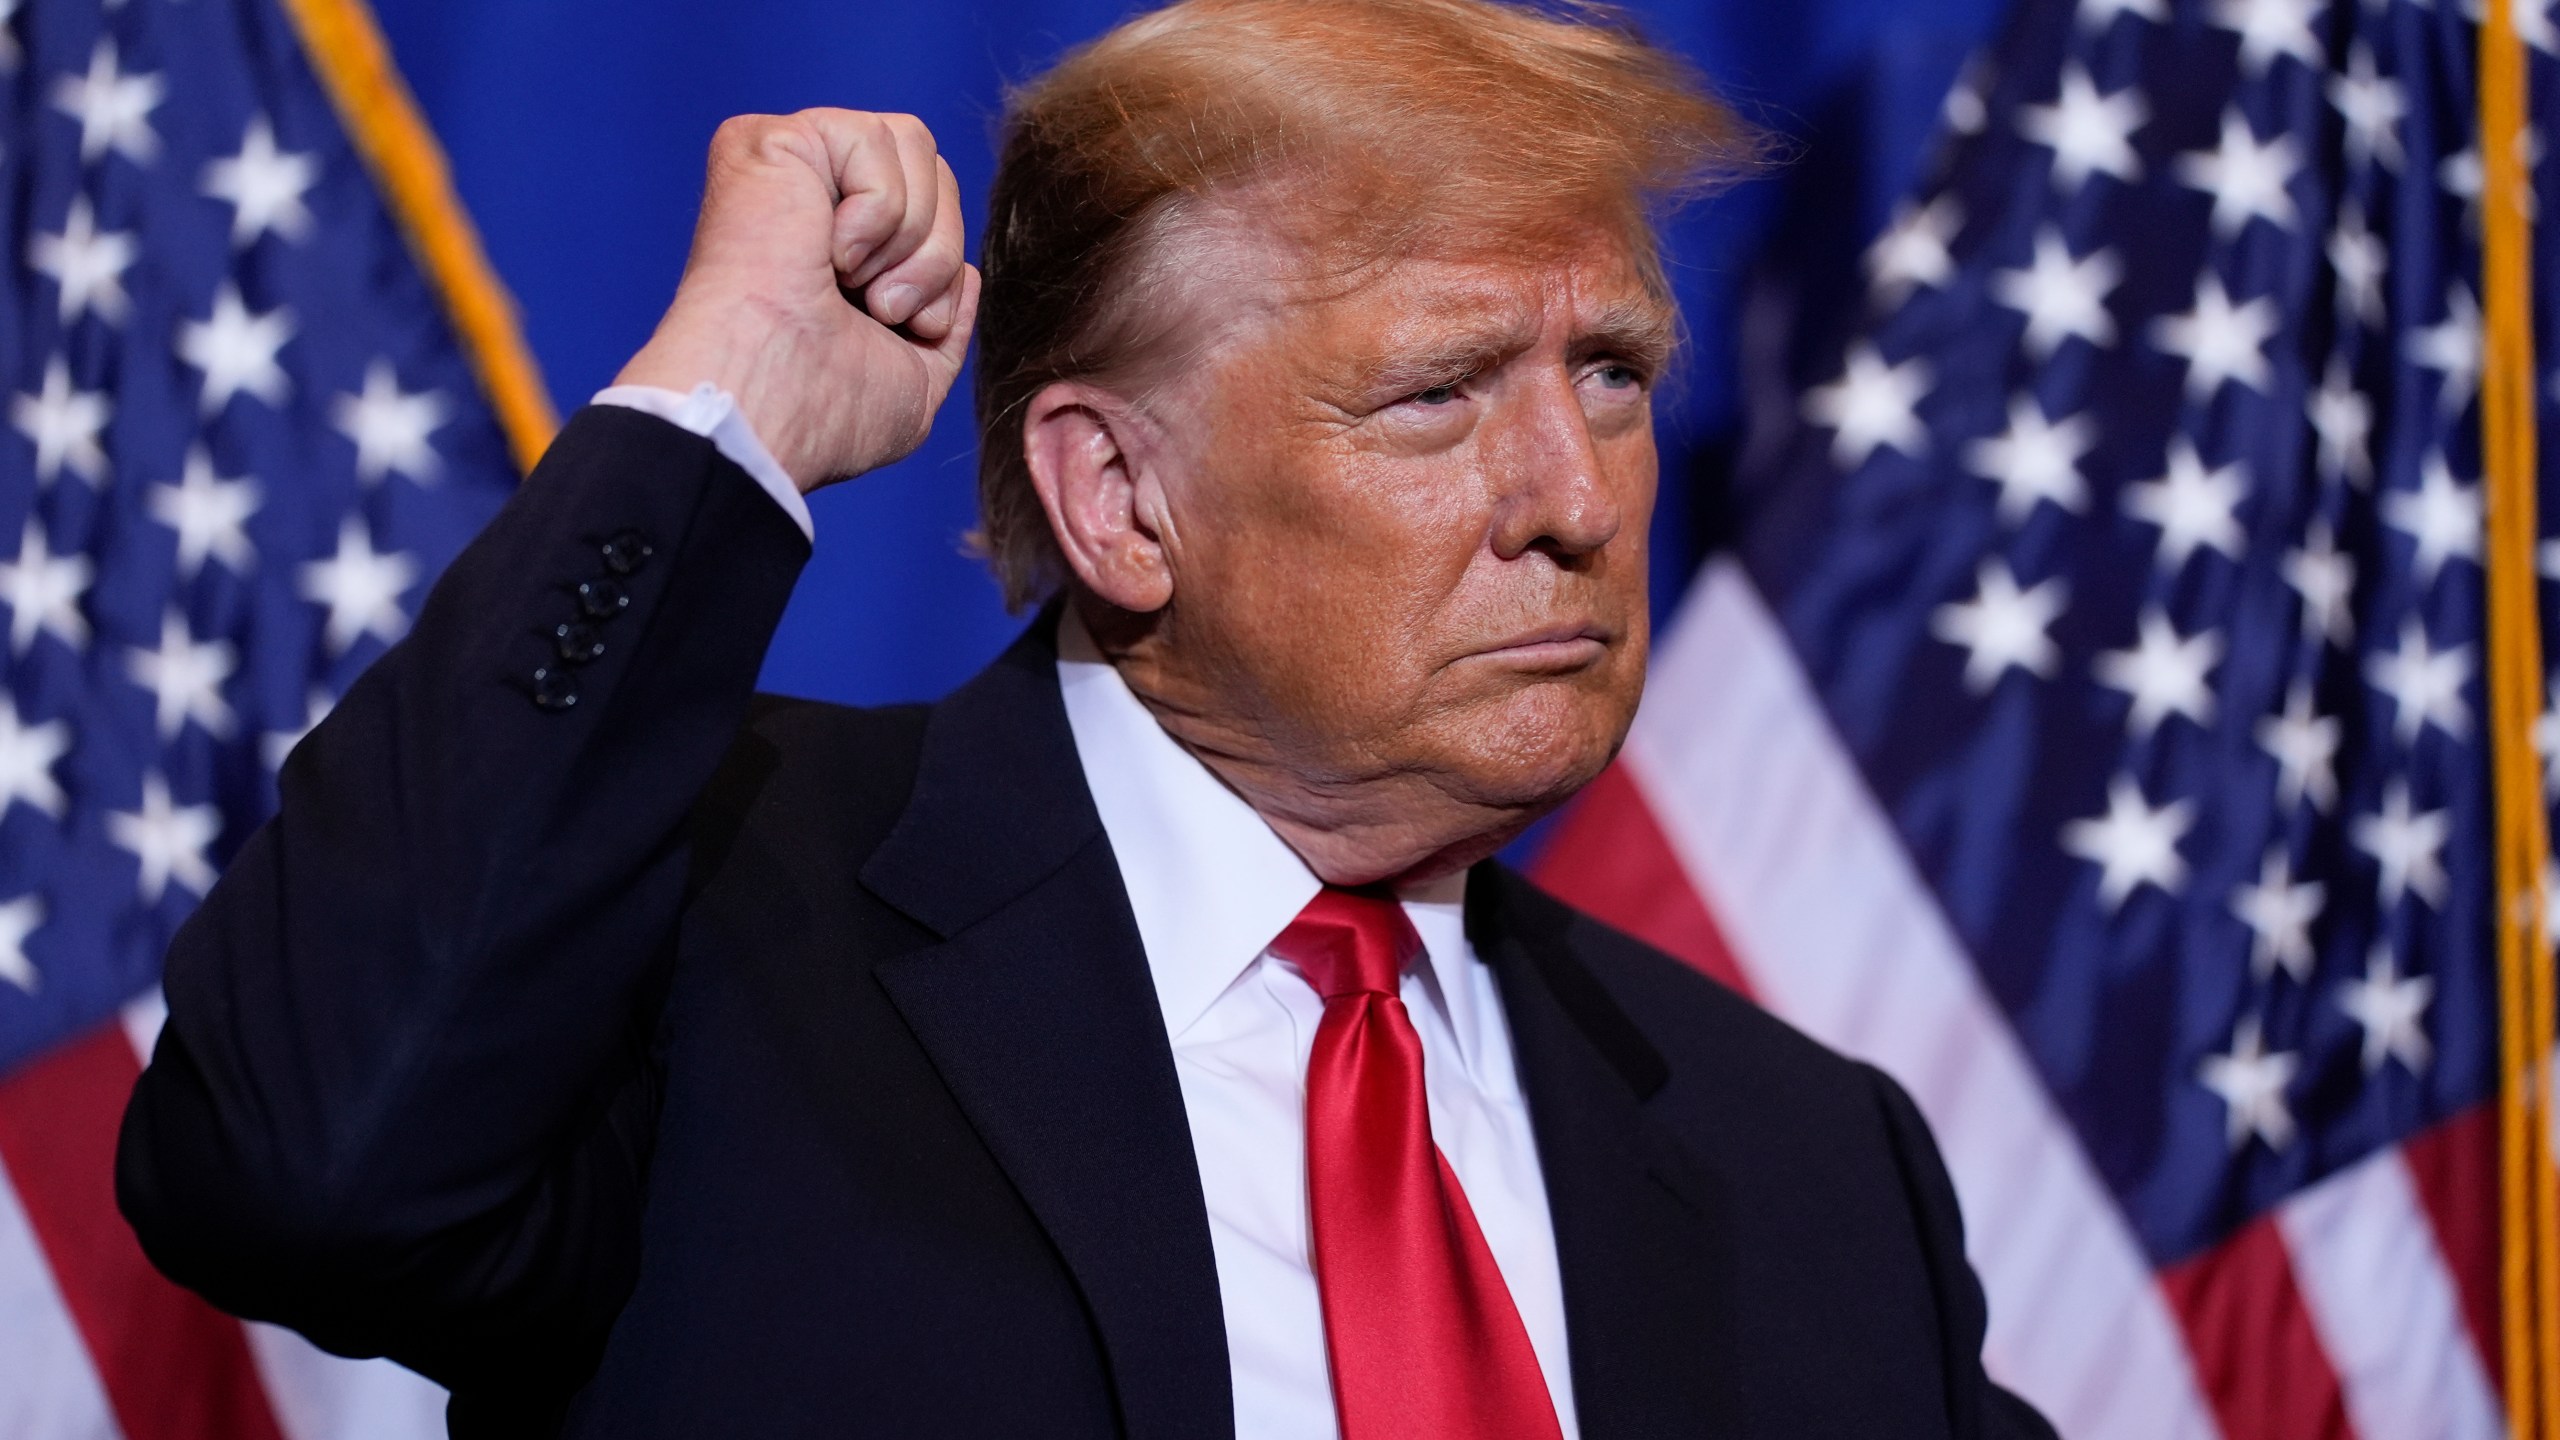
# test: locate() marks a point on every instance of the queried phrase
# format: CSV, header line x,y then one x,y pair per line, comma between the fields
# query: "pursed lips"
x,y
1563,646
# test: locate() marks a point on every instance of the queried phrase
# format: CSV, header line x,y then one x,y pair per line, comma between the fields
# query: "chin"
x,y
1530,751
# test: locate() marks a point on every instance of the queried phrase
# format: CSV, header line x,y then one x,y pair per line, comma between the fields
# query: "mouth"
x,y
1555,649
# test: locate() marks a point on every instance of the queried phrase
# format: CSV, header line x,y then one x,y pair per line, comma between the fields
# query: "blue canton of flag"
x,y
2133,545
241,438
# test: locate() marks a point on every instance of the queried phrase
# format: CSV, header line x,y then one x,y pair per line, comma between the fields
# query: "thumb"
x,y
943,357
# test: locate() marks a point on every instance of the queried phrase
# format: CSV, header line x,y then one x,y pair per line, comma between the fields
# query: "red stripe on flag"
x,y
174,1367
2256,1355
1610,859
2455,1168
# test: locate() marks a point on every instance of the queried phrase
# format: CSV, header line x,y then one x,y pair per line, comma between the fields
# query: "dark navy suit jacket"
x,y
638,1057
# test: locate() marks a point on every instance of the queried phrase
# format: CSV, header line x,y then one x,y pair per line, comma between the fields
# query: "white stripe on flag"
x,y
1840,935
320,1396
2383,1302
48,1389
315,1395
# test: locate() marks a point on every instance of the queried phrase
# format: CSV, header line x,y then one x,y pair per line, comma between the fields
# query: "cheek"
x,y
1352,552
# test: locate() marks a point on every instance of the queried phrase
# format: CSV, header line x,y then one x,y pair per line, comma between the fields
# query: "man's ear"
x,y
1085,447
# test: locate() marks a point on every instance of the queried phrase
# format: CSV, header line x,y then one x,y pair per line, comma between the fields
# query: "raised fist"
x,y
827,289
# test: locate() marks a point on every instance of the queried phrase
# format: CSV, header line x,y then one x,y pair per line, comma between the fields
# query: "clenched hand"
x,y
802,216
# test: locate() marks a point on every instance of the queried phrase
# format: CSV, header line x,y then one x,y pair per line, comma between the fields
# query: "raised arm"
x,y
405,1096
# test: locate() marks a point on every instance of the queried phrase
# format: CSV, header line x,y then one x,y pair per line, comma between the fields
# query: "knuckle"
x,y
740,133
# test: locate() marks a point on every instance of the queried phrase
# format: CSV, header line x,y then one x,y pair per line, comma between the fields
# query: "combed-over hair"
x,y
1388,124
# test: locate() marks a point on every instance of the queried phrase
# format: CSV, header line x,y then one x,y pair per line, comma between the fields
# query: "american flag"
x,y
242,433
2088,724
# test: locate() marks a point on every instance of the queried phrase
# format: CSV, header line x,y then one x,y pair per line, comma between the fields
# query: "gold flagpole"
x,y
2530,1188
347,51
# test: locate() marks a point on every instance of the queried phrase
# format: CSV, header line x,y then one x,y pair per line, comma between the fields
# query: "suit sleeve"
x,y
1978,1406
405,1096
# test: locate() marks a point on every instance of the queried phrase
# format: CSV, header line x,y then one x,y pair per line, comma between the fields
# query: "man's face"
x,y
1405,520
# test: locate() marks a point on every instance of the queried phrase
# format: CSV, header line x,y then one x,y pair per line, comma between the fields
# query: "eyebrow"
x,y
1447,356
1642,331
1638,330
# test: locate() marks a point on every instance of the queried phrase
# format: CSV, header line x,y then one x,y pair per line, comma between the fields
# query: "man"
x,y
1141,1041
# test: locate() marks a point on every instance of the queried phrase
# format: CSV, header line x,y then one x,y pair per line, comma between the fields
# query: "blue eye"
x,y
1436,395
1618,377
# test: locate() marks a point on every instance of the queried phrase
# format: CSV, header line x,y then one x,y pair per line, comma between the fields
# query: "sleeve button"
x,y
577,642
554,688
626,552
603,599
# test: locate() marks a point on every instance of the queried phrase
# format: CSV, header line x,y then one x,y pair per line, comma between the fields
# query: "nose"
x,y
1551,492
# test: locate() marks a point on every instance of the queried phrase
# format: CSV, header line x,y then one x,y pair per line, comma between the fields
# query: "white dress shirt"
x,y
1212,886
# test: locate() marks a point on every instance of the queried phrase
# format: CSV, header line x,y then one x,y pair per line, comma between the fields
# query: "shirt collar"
x,y
1210,883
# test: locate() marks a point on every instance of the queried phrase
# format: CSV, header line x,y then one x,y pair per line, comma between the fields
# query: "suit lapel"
x,y
1648,1287
1040,1013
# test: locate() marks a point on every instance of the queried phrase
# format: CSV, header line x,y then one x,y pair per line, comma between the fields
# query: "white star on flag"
x,y
2305,746
2194,507
277,744
2247,178
2002,626
1871,404
2251,1082
2219,340
2271,29
361,588
2532,19
2451,348
113,108
1913,252
2279,912
27,756
2372,105
2425,684
10,54
264,186
167,840
42,591
2342,417
2358,257
390,426
20,919
2392,1012
2465,178
2097,15
2326,578
63,424
2088,133
185,677
2405,845
2441,518
2036,459
209,514
2132,844
87,265
236,350
2165,673
2061,297
1963,112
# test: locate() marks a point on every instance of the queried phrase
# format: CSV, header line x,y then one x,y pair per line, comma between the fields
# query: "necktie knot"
x,y
1350,941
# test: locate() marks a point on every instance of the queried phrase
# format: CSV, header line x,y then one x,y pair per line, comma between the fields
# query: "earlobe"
x,y
1085,452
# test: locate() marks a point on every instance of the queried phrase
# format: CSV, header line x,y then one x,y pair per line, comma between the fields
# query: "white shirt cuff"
x,y
712,413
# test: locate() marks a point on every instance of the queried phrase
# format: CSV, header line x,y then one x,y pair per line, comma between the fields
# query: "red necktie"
x,y
1424,1339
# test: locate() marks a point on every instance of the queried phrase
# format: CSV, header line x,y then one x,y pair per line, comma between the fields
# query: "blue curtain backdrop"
x,y
577,128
